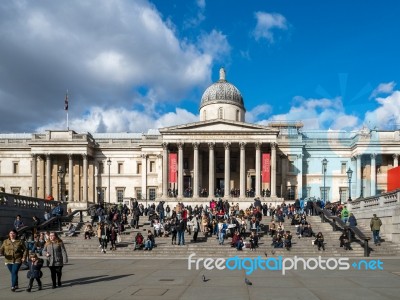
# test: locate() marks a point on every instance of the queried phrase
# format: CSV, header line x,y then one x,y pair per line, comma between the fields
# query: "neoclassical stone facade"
x,y
219,156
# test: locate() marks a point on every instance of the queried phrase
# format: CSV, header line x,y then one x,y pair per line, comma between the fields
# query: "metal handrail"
x,y
336,222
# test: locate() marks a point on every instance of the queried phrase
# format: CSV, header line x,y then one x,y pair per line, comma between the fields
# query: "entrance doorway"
x,y
220,187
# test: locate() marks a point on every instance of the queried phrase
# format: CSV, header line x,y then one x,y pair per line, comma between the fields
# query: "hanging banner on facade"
x,y
266,164
173,167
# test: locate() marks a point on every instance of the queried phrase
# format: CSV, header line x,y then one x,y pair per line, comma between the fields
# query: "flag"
x,y
66,102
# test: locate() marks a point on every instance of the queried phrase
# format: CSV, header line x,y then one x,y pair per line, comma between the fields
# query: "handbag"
x,y
119,238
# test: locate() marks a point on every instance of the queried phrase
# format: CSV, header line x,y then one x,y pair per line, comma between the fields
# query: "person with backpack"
x,y
375,225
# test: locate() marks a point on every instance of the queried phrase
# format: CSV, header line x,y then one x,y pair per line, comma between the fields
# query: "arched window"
x,y
220,113
237,115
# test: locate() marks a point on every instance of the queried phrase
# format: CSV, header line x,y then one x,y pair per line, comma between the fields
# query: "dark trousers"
x,y
39,282
14,268
56,273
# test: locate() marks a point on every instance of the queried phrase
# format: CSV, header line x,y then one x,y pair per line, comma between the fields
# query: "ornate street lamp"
x,y
324,165
60,174
349,175
109,181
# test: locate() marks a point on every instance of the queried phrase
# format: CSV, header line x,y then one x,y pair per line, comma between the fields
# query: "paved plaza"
x,y
99,278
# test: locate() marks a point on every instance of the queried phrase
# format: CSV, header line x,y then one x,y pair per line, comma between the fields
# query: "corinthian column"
x,y
85,178
242,169
373,174
211,171
48,175
180,170
34,176
165,170
70,178
258,169
273,169
196,170
227,177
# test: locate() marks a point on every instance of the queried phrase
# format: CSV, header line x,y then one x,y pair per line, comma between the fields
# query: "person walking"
x,y
54,251
15,253
35,265
376,224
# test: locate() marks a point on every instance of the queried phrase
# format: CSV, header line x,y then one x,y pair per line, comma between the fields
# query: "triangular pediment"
x,y
217,126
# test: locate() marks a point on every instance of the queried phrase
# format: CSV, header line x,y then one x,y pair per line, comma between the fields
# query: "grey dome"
x,y
222,92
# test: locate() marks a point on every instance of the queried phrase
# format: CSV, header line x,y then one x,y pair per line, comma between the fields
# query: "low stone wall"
x,y
12,205
386,207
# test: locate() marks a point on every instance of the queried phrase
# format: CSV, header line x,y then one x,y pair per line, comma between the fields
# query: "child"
x,y
35,264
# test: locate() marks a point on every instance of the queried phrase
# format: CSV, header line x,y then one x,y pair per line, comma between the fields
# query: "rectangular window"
x,y
344,194
152,193
120,168
291,192
325,194
101,168
120,194
15,190
152,166
138,193
139,168
292,168
343,168
15,168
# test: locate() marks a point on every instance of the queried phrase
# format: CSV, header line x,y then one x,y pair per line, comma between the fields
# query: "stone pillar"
x,y
165,170
211,170
373,174
283,175
34,176
85,178
180,170
70,178
48,175
196,170
273,169
258,169
358,176
300,176
395,160
242,186
227,169
144,176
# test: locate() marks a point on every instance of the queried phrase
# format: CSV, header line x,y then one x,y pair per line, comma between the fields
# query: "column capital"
x,y
395,156
242,145
373,155
195,145
165,146
211,145
258,145
227,145
69,156
159,156
180,145
47,156
273,146
84,156
143,156
34,156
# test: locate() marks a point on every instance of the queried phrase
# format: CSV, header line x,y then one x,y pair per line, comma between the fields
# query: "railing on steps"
x,y
27,230
338,224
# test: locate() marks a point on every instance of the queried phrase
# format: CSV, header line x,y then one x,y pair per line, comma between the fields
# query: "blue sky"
x,y
135,65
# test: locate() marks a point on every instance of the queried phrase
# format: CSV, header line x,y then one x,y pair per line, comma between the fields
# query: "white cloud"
x,y
122,120
117,53
383,88
318,114
258,113
387,115
267,23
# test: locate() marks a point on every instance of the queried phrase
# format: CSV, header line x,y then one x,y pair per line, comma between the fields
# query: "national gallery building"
x,y
219,156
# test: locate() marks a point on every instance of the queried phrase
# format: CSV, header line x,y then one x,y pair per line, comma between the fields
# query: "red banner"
x,y
173,167
266,164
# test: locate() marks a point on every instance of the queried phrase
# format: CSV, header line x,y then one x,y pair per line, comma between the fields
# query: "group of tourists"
x,y
16,253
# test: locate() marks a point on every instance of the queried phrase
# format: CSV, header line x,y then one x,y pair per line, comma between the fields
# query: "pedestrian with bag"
x,y
15,253
56,254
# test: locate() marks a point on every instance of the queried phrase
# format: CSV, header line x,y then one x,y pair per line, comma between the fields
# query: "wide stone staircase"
x,y
77,246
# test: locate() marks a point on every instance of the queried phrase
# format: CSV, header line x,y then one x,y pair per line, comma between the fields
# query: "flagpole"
x,y
66,107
